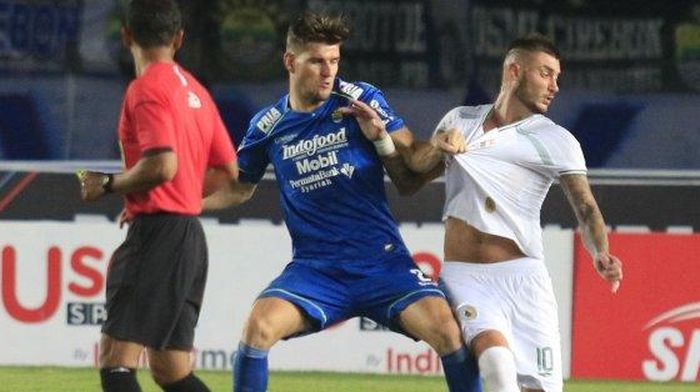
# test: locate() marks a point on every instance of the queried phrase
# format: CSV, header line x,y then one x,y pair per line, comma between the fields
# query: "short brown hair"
x,y
534,42
310,27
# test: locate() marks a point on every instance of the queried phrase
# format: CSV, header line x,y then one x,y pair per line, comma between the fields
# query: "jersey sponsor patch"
x,y
347,169
311,146
269,120
351,90
386,118
285,138
467,312
314,181
321,161
337,116
193,100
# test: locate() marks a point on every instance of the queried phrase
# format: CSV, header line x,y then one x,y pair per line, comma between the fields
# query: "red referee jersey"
x,y
166,107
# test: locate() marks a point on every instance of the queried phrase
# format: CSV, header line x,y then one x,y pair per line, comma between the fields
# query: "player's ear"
x,y
288,59
514,70
127,39
178,39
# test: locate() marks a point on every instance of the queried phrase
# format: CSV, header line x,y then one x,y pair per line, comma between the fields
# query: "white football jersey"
x,y
499,184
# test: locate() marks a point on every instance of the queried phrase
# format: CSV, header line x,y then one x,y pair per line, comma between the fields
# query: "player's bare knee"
x,y
260,333
444,335
450,327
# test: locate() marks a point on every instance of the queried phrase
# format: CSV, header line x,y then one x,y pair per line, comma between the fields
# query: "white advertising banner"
x,y
53,290
53,279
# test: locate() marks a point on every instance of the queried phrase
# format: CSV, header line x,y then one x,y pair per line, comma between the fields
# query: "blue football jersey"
x,y
330,177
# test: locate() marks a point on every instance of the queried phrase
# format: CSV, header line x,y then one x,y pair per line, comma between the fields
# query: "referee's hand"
x,y
91,184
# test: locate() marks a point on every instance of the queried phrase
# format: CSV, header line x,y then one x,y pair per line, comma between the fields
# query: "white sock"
x,y
497,367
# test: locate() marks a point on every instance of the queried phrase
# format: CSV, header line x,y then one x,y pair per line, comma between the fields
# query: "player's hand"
x,y
609,268
124,218
372,126
450,141
91,184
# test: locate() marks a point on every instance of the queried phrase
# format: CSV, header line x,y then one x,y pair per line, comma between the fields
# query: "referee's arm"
x,y
155,167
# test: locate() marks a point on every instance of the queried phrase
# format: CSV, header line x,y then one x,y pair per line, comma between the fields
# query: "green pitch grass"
x,y
53,379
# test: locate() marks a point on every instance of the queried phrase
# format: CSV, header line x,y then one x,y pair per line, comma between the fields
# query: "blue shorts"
x,y
329,294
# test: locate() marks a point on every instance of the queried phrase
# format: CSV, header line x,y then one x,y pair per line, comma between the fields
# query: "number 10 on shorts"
x,y
545,361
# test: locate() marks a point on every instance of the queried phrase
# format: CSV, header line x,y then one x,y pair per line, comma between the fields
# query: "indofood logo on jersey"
x,y
309,147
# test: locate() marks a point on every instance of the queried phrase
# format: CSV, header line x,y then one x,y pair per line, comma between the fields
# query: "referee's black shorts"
x,y
156,280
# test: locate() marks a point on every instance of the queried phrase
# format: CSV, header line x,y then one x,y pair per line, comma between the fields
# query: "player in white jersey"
x,y
494,270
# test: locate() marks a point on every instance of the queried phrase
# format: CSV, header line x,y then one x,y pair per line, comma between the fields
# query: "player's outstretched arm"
x,y
423,156
419,156
154,168
408,182
409,163
233,193
593,228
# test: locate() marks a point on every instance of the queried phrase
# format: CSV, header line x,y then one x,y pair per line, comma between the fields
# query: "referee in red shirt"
x,y
174,147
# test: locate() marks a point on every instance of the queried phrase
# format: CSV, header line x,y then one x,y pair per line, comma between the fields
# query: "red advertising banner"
x,y
650,329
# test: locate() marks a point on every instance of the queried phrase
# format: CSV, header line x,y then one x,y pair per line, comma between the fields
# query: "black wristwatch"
x,y
107,181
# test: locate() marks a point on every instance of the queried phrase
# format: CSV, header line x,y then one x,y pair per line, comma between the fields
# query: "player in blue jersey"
x,y
329,141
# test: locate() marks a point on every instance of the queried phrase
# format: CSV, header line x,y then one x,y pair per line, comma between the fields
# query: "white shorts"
x,y
516,298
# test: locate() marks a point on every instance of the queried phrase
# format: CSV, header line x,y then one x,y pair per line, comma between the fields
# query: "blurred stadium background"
x,y
629,93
